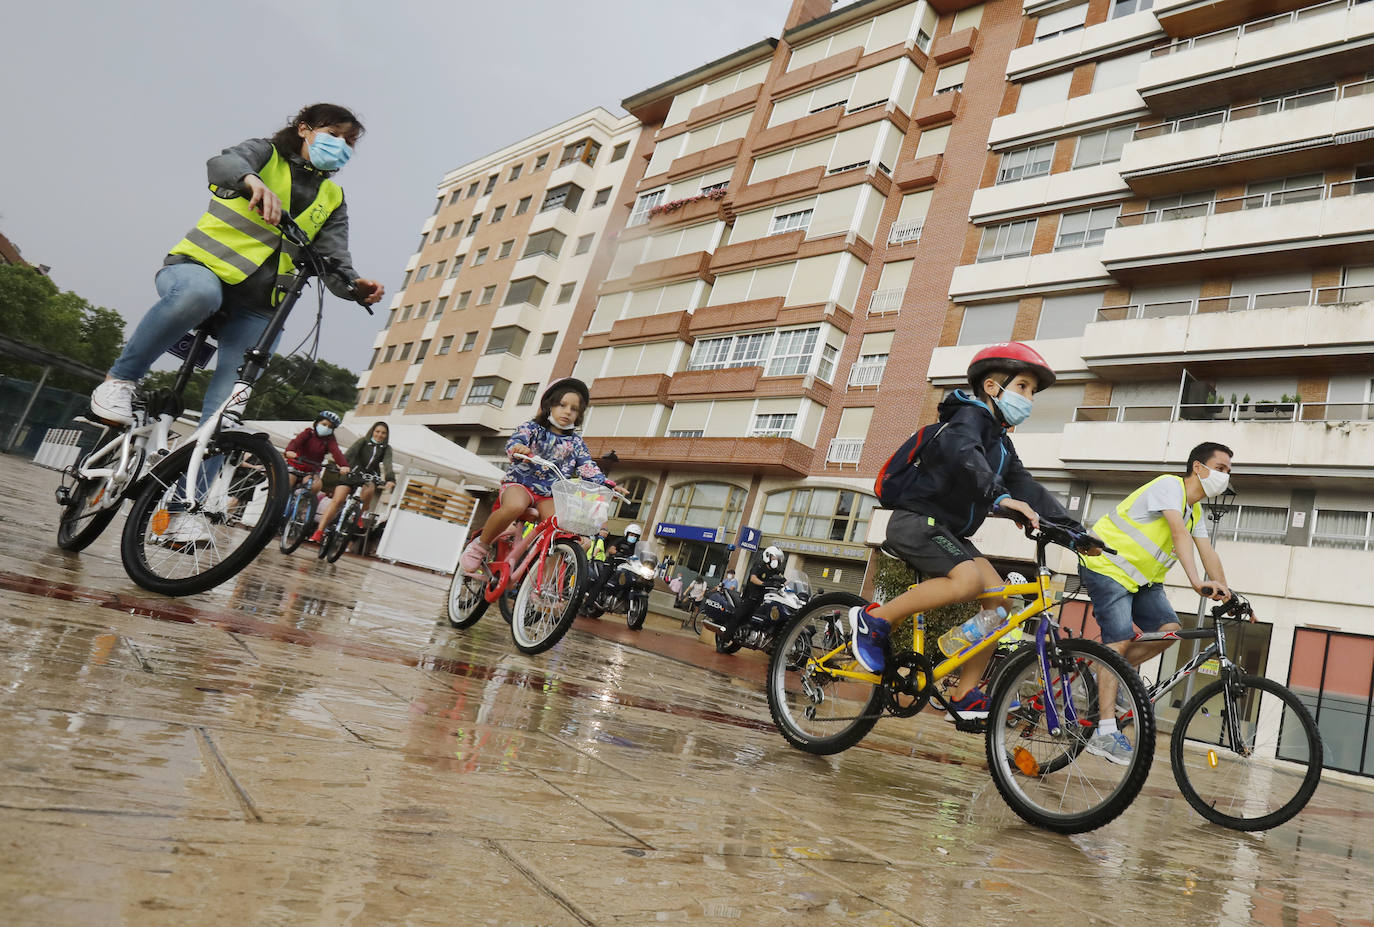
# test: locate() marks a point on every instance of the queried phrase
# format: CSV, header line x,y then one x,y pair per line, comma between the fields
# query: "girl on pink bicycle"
x,y
551,435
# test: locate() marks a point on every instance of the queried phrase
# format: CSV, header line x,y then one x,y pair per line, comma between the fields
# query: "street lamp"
x,y
1218,507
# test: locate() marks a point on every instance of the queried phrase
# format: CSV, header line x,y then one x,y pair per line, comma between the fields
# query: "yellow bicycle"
x,y
1043,710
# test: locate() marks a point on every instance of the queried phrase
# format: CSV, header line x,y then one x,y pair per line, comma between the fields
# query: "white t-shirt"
x,y
1164,496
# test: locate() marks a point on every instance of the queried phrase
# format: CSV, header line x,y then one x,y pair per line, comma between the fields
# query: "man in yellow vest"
x,y
1151,529
232,261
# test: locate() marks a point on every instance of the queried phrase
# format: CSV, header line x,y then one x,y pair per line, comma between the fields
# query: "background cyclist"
x,y
305,452
370,454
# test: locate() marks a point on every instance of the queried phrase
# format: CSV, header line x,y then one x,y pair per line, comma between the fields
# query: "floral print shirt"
x,y
567,451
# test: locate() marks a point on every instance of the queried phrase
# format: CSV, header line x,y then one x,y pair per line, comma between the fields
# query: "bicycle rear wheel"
x,y
1258,779
300,515
547,604
816,710
1051,777
88,511
180,553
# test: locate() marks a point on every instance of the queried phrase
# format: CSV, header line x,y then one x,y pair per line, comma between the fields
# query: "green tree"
x,y
33,310
290,390
892,579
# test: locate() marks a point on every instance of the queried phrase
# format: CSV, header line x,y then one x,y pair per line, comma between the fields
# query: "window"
x,y
1127,7
405,312
472,190
750,350
488,391
1120,71
791,221
372,395
1060,22
1331,673
1102,147
491,184
450,389
1086,228
515,172
523,206
472,226
549,241
445,344
509,339
488,294
376,352
547,342
603,196
427,393
1025,163
405,350
506,247
686,432
497,214
822,514
453,197
439,269
528,392
988,323
1258,524
405,281
825,370
457,266
439,307
636,492
525,290
1066,316
423,350
565,293
402,402
1008,240
1300,189
390,353
706,503
793,352
585,151
481,258
643,205
421,312
1342,528
422,273
584,244
469,342
567,195
386,396
539,162
463,298
774,425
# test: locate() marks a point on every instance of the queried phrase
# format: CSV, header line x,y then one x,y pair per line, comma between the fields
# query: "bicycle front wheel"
x,y
300,515
168,549
815,709
1246,753
1062,777
335,544
547,602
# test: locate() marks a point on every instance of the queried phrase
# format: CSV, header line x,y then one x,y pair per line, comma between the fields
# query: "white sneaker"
x,y
186,528
113,401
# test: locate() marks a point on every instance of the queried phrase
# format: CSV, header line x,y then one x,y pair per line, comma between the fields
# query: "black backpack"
x,y
898,475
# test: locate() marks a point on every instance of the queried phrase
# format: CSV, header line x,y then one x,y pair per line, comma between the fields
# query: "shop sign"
x,y
689,532
823,549
748,538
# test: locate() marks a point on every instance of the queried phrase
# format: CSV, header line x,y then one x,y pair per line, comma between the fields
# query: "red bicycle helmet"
x,y
1012,357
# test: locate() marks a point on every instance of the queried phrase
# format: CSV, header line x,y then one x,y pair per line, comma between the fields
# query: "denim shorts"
x,y
1116,608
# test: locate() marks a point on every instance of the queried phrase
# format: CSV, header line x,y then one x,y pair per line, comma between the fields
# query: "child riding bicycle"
x,y
551,435
968,469
305,452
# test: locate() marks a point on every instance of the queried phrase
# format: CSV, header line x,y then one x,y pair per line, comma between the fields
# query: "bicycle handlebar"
x,y
320,264
1237,606
1070,535
550,465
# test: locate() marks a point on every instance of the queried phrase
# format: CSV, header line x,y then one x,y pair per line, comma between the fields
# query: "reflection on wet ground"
x,y
312,744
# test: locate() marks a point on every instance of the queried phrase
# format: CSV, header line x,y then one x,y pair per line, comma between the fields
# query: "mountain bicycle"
x,y
300,511
344,526
1043,703
550,593
179,541
1245,751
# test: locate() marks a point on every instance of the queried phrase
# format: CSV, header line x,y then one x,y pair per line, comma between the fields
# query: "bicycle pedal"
x,y
971,725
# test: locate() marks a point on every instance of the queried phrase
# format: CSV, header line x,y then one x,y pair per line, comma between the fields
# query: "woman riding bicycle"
x,y
305,452
231,261
368,456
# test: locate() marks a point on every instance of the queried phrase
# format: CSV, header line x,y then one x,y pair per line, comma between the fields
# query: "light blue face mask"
x,y
323,431
1014,407
329,152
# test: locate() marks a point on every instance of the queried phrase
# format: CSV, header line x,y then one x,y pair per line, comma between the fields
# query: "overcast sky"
x,y
111,109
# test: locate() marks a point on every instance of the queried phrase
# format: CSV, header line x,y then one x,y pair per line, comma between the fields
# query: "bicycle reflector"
x,y
1026,763
1212,758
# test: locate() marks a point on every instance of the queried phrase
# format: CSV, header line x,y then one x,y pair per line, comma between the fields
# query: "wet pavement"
x,y
312,744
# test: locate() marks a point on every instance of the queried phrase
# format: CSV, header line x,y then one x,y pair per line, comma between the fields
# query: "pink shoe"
x,y
473,556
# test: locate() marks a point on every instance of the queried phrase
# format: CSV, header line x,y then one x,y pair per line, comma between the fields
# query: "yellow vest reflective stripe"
x,y
234,241
1145,552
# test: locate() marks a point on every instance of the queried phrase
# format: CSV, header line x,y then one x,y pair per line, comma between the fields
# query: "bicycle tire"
x,y
336,542
536,631
796,691
636,613
1064,787
293,529
465,602
1226,788
75,534
506,603
158,562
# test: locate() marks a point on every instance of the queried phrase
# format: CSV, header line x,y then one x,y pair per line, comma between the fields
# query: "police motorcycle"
x,y
626,590
785,597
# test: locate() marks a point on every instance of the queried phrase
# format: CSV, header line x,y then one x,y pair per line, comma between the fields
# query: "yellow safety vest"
x,y
234,241
598,548
1145,552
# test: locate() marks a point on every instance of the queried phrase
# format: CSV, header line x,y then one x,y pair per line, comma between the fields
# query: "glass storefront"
x,y
1333,673
826,527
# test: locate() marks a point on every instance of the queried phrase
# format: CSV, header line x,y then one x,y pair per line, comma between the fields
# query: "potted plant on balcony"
x,y
1213,407
1265,405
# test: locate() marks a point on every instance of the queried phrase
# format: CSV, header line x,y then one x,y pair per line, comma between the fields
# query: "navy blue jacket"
x,y
968,466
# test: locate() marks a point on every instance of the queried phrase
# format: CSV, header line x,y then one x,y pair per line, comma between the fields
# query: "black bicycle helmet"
x,y
330,417
567,383
1011,357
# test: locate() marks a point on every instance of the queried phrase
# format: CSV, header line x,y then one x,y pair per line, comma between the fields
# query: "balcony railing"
x,y
905,232
866,373
845,451
1258,411
885,301
1251,110
1252,201
1322,296
1257,25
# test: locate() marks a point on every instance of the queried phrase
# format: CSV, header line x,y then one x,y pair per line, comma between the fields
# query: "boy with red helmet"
x,y
968,470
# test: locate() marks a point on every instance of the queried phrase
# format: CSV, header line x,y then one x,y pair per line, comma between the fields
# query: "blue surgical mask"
x,y
1014,407
323,431
329,152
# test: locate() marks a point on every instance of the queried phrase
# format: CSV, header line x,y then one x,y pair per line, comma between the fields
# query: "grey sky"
x,y
112,108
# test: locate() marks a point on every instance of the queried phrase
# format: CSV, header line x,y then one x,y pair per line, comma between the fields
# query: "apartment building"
x,y
488,296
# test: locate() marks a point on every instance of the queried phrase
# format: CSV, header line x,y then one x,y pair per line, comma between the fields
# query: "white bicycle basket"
x,y
582,506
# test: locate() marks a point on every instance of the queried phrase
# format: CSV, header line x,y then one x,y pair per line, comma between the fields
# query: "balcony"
x,y
501,364
714,382
649,386
1260,57
1032,273
1097,41
1333,223
695,264
865,374
886,301
1066,118
484,416
949,365
769,456
845,451
525,315
1299,133
905,232
1330,328
1094,184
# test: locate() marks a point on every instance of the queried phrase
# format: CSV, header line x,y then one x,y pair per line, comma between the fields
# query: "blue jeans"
x,y
1115,607
190,294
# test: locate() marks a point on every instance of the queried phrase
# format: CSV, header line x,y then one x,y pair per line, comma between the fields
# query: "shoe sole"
x,y
109,416
1108,756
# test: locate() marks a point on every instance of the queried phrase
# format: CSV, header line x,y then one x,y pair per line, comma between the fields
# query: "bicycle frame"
x,y
505,573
